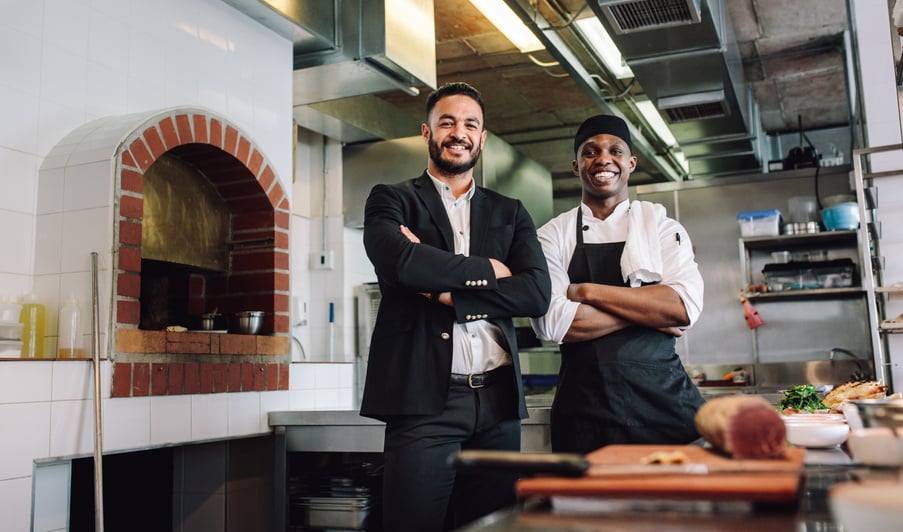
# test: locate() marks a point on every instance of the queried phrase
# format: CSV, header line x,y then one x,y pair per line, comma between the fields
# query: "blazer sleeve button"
x,y
444,336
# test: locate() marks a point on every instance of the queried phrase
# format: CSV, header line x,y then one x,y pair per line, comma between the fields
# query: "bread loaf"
x,y
744,426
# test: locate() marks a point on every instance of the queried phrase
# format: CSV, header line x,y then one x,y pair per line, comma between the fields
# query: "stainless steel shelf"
x,y
889,289
800,240
807,294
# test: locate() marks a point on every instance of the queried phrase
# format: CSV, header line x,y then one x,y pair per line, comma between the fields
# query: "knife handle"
x,y
560,464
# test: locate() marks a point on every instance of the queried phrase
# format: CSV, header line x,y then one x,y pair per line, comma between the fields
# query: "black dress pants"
x,y
421,490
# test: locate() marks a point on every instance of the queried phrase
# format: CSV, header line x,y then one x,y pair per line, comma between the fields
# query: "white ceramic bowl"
x,y
815,417
867,507
815,433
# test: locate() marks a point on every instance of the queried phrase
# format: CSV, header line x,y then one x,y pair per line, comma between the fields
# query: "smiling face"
x,y
604,165
455,136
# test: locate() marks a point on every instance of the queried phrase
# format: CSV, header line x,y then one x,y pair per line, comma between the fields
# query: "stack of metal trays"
x,y
341,505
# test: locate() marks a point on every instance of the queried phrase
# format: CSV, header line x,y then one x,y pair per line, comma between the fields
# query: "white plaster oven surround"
x,y
94,183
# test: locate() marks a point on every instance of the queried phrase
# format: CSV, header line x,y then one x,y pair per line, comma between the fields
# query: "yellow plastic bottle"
x,y
33,316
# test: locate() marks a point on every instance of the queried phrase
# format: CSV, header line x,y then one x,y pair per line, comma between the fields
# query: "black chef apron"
x,y
626,387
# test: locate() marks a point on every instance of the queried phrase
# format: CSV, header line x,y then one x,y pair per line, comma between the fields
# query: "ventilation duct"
x,y
692,71
698,106
628,16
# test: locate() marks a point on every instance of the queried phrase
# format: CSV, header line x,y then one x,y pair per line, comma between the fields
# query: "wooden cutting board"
x,y
767,480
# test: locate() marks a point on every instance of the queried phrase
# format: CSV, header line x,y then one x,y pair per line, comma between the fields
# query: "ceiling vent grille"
x,y
696,106
628,16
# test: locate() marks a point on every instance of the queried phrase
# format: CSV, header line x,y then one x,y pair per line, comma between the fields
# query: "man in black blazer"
x,y
455,263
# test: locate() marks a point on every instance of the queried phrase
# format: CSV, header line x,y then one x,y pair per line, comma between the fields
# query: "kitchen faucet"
x,y
860,374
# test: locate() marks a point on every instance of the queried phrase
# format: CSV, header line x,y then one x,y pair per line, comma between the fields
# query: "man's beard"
x,y
451,167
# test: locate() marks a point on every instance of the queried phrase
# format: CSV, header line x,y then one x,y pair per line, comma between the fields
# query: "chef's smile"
x,y
604,176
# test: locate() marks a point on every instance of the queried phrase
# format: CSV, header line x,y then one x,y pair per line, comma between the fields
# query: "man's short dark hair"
x,y
450,89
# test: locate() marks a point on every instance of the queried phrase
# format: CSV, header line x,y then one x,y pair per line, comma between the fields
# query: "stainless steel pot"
x,y
249,321
209,321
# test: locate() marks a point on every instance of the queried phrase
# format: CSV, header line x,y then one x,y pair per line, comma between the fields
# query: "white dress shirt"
x,y
558,239
477,344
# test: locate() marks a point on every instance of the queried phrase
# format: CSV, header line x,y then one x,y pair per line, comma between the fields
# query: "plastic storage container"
x,y
11,330
69,342
10,312
33,317
10,349
839,273
802,209
759,223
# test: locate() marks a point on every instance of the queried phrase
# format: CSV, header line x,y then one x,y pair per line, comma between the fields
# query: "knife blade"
x,y
623,470
562,464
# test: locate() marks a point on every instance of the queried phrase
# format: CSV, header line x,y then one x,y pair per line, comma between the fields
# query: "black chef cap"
x,y
599,124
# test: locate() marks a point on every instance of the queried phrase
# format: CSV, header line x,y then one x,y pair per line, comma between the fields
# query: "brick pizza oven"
x,y
254,275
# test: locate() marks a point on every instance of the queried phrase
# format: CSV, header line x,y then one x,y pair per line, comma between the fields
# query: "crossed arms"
x,y
605,309
515,282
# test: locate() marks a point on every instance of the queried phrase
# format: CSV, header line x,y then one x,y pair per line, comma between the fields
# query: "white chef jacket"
x,y
558,239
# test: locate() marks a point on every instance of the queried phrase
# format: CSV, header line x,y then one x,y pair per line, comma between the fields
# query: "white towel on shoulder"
x,y
641,260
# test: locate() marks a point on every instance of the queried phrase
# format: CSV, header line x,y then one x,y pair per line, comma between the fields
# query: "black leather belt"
x,y
478,380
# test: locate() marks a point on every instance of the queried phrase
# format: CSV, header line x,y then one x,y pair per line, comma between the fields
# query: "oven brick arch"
x,y
168,363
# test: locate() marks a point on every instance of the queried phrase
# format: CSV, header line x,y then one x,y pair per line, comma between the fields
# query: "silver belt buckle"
x,y
470,383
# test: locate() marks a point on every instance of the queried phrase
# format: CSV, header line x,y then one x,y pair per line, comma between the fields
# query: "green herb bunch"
x,y
803,398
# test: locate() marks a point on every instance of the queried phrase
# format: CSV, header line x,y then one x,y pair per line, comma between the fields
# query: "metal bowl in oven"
x,y
248,321
209,321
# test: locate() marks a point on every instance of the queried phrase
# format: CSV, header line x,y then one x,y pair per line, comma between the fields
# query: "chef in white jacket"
x,y
625,283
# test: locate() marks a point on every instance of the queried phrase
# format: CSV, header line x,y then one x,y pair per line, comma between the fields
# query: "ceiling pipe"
x,y
560,50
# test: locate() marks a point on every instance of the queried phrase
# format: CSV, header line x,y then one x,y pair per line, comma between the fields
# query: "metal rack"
x,y
869,238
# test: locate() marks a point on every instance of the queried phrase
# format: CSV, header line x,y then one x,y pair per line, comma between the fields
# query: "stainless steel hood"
x,y
384,45
684,56
345,48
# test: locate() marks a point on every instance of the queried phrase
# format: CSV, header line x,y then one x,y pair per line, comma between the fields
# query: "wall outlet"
x,y
322,260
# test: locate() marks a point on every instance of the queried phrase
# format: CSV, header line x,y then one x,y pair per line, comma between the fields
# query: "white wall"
x,y
63,63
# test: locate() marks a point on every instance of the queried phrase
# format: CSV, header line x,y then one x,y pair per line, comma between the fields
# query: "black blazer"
x,y
411,348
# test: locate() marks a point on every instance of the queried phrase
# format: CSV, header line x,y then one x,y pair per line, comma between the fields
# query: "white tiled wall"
x,y
56,418
65,63
312,288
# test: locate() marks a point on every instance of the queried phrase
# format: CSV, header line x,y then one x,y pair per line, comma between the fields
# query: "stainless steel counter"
x,y
344,431
348,431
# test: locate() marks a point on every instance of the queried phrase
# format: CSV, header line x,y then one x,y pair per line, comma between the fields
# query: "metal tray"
x,y
344,513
